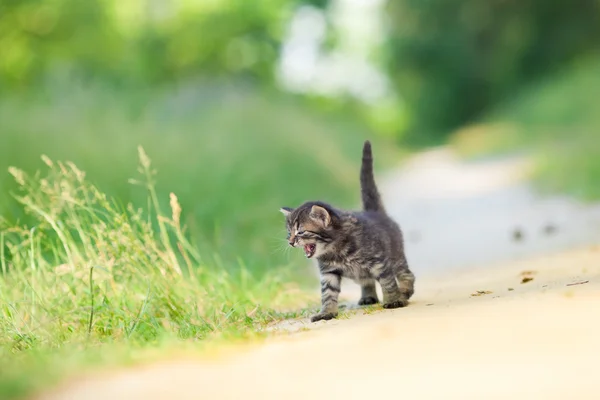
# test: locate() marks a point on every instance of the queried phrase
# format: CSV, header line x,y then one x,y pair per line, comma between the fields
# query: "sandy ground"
x,y
538,341
474,330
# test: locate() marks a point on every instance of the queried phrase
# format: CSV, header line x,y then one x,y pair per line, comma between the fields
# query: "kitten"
x,y
365,246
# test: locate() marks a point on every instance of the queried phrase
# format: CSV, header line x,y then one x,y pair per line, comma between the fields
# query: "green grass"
x,y
88,272
233,157
163,231
557,120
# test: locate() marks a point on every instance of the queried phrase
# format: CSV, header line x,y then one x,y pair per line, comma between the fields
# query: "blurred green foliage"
x,y
557,121
452,60
139,41
449,60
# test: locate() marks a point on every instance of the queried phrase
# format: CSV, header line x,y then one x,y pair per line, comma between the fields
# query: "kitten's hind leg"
x,y
392,296
368,294
406,281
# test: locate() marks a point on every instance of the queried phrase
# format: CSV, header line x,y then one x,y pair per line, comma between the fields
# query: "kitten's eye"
x,y
288,235
301,233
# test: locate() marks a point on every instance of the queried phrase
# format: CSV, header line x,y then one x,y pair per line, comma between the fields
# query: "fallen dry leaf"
x,y
480,293
527,276
577,283
550,229
517,235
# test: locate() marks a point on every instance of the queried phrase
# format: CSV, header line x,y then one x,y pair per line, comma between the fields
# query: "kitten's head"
x,y
311,226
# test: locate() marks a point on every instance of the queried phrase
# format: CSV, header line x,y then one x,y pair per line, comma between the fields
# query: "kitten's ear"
x,y
286,211
321,215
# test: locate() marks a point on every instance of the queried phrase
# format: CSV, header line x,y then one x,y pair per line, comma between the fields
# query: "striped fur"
x,y
366,246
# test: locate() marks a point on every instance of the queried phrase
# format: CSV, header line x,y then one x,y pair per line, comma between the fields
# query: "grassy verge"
x,y
231,156
556,120
100,265
87,272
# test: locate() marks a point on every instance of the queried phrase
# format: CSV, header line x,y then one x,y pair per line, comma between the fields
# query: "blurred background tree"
x,y
145,42
452,60
448,61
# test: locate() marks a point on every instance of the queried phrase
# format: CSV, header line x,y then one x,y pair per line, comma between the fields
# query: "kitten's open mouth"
x,y
309,250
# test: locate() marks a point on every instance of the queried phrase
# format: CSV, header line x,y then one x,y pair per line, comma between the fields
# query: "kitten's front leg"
x,y
330,291
392,296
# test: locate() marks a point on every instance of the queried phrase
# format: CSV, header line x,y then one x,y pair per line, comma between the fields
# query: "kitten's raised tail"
x,y
370,195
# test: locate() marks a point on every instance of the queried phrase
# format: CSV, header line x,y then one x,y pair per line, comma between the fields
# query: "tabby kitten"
x,y
365,246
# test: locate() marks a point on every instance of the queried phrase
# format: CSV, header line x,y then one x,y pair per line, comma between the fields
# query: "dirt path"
x,y
475,329
458,214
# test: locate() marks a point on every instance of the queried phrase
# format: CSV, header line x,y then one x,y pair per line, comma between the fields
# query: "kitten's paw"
x,y
323,316
396,304
367,301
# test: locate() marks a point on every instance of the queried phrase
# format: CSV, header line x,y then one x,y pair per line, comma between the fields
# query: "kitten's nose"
x,y
291,243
